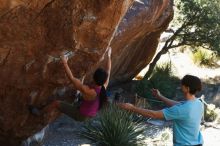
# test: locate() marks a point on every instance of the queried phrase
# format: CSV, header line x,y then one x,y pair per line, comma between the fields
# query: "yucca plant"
x,y
211,113
204,57
114,127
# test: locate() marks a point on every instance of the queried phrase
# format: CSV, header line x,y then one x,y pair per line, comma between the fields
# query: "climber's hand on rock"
x,y
103,57
109,52
64,58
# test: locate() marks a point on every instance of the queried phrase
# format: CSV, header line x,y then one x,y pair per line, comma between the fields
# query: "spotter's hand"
x,y
156,93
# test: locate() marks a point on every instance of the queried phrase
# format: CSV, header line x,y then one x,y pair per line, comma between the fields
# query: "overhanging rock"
x,y
34,31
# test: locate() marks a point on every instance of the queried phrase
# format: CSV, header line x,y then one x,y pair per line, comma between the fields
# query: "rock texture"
x,y
31,31
137,37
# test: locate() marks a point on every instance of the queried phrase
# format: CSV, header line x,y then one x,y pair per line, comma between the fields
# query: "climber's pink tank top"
x,y
90,108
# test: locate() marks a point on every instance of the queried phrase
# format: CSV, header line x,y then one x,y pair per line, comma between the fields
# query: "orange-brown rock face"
x,y
34,32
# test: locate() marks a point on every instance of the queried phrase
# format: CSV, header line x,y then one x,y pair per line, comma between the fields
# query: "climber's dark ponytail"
x,y
102,97
100,76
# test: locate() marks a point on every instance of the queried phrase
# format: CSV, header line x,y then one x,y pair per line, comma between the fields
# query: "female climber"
x,y
94,97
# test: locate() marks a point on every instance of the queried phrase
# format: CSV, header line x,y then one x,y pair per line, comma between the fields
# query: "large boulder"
x,y
137,37
34,32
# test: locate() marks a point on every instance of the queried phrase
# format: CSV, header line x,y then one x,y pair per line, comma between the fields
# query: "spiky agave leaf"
x,y
114,127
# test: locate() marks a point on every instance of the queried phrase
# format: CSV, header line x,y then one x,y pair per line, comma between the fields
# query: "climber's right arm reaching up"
x,y
108,66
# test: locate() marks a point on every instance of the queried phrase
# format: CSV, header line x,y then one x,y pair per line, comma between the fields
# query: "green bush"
x,y
163,79
211,113
204,58
114,127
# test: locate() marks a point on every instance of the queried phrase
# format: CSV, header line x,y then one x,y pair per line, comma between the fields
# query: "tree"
x,y
196,24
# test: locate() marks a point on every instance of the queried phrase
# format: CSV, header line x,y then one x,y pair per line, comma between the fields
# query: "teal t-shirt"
x,y
186,118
